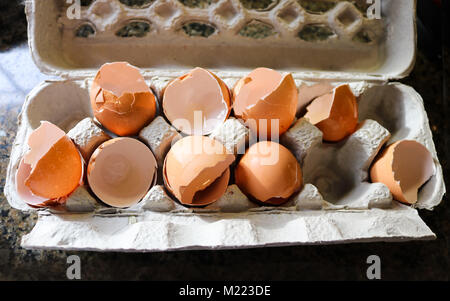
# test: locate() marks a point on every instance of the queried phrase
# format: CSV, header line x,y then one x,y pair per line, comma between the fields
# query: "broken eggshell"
x,y
197,102
403,167
196,170
121,100
267,101
121,171
269,173
51,170
335,113
306,94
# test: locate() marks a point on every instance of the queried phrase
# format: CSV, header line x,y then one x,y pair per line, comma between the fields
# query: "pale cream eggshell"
x,y
121,171
197,102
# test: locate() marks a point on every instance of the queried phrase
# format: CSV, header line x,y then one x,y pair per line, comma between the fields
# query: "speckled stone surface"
x,y
400,261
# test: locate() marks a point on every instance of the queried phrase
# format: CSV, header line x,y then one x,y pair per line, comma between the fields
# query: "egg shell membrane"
x,y
403,167
266,95
306,94
131,162
41,141
196,177
121,100
335,114
272,184
55,166
24,192
198,88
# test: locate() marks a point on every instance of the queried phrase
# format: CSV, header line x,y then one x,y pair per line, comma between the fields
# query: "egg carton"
x,y
169,36
337,203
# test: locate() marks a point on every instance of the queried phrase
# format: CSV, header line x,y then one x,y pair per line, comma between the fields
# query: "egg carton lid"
x,y
342,43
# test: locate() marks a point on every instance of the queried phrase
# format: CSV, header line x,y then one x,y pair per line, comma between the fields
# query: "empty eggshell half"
x,y
52,168
335,113
403,167
121,171
269,173
197,102
196,170
121,100
267,101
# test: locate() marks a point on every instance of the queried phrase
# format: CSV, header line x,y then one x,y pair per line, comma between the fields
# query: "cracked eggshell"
x,y
197,102
269,173
403,167
121,100
307,93
263,97
121,171
52,168
335,113
196,170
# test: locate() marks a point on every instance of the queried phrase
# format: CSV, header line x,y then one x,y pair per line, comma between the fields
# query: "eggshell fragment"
x,y
403,167
51,169
335,113
196,170
196,103
306,94
121,171
269,173
267,101
121,100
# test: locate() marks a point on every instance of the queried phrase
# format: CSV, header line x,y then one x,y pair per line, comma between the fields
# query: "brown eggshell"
x,y
269,173
306,94
121,100
196,170
202,91
265,96
121,171
52,168
335,113
403,167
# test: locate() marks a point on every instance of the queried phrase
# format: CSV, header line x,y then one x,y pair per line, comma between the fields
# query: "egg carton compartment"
x,y
171,35
336,188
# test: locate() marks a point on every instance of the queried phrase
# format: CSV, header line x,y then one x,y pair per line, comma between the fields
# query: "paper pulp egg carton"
x,y
338,204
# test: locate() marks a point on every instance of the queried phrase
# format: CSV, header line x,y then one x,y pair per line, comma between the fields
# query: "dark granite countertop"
x,y
400,261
